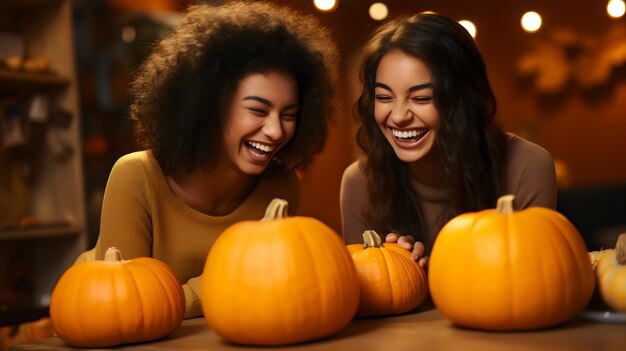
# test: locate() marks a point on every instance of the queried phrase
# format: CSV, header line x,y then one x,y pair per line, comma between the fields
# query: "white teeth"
x,y
408,134
262,147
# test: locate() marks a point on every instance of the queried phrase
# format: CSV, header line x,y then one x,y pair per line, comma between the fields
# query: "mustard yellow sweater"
x,y
141,216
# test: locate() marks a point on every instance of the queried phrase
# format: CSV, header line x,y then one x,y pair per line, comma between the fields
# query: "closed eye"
x,y
422,99
382,98
257,111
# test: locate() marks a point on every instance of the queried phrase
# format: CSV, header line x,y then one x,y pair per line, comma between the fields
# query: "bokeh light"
x,y
531,21
378,11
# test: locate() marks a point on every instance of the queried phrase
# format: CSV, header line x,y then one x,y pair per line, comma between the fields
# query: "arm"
x,y
537,181
353,200
125,221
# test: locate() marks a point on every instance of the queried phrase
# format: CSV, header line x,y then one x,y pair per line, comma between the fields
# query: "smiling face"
x,y
260,121
404,108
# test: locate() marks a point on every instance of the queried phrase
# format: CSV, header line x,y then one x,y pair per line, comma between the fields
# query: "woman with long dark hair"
x,y
432,148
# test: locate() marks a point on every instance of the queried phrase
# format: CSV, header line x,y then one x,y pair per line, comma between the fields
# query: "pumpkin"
x,y
281,280
391,281
116,301
594,257
510,270
611,275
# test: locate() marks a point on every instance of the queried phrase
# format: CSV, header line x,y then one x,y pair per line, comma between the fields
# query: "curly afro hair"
x,y
182,90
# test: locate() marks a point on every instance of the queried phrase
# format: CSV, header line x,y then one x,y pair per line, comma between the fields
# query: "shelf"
x,y
14,81
38,232
25,4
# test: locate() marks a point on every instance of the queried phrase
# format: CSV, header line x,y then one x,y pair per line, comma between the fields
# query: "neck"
x,y
215,192
426,170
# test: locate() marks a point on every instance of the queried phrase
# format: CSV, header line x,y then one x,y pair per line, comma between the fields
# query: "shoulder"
x,y
134,160
354,176
135,168
521,151
529,173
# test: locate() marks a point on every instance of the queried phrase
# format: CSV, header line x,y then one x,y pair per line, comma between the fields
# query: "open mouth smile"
x,y
409,135
259,150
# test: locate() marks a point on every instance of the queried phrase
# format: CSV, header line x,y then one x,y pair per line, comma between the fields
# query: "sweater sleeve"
x,y
125,221
353,202
193,305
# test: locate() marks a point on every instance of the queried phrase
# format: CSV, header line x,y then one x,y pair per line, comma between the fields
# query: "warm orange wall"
x,y
585,129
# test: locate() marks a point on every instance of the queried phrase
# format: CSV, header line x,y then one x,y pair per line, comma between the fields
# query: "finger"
x,y
418,250
423,262
391,238
405,242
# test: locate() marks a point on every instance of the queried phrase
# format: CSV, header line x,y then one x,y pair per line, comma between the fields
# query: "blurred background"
x,y
559,76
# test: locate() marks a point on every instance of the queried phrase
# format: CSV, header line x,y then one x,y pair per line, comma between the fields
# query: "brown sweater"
x,y
529,175
142,216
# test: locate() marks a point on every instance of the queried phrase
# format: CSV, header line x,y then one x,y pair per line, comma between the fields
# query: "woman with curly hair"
x,y
227,106
432,149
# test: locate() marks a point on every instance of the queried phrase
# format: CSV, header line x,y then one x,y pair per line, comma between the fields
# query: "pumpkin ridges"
x,y
582,293
390,280
297,307
141,274
60,304
211,277
341,255
314,271
367,263
405,264
133,325
96,304
478,243
456,256
549,267
568,292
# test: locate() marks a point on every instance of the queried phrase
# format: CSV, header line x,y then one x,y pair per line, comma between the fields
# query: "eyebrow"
x,y
266,102
411,89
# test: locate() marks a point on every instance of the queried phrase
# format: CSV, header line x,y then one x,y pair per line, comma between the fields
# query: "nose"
x,y
272,128
401,114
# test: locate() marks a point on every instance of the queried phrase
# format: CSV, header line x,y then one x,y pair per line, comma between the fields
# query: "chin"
x,y
409,157
253,170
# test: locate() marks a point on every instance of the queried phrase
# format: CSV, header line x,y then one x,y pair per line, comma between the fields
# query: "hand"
x,y
408,242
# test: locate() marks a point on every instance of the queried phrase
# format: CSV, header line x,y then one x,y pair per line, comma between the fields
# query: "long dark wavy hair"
x,y
469,145
183,89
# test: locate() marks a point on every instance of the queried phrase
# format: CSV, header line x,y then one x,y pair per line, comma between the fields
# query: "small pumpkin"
x,y
391,281
510,270
611,275
594,257
116,301
281,280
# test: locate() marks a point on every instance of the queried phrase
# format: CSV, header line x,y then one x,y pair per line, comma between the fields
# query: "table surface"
x,y
424,329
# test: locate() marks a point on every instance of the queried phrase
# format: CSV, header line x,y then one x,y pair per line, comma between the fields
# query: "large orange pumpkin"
x,y
391,281
510,270
116,301
611,275
282,280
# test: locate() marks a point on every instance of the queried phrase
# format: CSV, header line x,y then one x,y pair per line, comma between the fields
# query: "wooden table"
x,y
424,329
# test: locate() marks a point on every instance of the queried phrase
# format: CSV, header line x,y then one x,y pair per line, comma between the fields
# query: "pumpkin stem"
x,y
371,239
620,249
277,209
112,254
505,204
